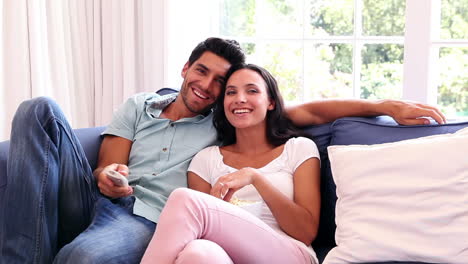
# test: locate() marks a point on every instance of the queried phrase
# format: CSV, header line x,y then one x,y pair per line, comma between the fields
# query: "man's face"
x,y
203,81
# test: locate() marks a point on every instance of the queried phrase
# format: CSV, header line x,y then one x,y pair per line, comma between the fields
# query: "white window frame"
x,y
421,42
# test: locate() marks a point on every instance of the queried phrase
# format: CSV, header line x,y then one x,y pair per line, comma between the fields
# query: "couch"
x,y
344,131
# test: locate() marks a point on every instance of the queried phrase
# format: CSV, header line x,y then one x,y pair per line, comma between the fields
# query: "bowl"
x,y
253,207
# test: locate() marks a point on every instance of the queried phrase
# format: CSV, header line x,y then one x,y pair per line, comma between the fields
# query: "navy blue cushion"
x,y
321,135
382,129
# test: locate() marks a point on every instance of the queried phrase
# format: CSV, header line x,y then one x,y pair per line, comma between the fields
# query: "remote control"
x,y
117,178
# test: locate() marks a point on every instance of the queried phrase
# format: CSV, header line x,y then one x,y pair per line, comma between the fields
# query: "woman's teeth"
x,y
241,111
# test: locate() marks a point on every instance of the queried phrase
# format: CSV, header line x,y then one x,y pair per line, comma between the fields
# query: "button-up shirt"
x,y
162,149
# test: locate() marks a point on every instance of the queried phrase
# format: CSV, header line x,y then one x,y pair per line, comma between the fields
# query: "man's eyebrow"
x,y
202,66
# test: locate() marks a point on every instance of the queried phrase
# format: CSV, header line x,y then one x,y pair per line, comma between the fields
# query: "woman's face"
x,y
246,100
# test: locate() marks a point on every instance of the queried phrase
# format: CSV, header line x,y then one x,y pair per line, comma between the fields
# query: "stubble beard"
x,y
184,91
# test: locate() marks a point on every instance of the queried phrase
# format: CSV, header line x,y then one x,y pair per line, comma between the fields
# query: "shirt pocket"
x,y
198,136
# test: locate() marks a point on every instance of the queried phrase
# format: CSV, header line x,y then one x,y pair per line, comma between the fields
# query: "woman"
x,y
261,159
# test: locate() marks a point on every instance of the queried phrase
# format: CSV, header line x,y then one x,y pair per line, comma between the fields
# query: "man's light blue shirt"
x,y
162,149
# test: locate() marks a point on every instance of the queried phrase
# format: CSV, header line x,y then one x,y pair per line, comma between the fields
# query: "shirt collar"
x,y
156,104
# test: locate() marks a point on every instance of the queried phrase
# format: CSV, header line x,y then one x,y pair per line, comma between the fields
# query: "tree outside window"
x,y
344,48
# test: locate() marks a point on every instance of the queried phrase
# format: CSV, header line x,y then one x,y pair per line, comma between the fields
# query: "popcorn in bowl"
x,y
253,207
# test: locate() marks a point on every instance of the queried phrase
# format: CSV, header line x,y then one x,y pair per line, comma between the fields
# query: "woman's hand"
x,y
107,187
228,184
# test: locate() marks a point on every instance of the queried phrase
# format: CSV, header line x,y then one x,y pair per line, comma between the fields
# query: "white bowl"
x,y
253,207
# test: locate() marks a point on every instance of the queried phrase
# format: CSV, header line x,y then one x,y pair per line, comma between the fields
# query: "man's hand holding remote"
x,y
112,181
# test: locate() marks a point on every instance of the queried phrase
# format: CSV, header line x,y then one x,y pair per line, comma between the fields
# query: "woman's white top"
x,y
209,165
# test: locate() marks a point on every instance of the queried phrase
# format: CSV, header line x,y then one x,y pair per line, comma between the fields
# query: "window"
x,y
452,85
376,49
322,49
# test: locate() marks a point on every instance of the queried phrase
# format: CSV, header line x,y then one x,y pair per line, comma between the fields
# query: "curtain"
x,y
88,55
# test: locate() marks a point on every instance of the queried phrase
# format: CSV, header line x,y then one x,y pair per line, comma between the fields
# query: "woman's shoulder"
x,y
301,147
300,142
208,151
205,160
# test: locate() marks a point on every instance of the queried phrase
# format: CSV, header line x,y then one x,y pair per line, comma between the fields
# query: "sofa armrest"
x,y
4,147
90,139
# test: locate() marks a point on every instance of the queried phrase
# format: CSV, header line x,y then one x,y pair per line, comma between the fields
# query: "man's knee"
x,y
203,251
36,107
36,103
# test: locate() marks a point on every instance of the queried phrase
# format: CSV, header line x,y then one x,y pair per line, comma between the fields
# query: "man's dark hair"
x,y
279,127
225,48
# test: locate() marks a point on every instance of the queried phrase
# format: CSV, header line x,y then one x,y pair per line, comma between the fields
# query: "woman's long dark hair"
x,y
279,127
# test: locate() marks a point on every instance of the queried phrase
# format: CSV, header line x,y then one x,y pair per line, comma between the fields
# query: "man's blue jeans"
x,y
53,210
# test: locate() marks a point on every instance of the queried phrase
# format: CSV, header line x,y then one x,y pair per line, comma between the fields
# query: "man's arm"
x,y
113,154
324,111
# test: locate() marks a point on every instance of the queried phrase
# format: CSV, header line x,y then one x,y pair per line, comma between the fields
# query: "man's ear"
x,y
185,69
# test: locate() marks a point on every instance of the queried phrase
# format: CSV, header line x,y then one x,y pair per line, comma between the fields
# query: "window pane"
x,y
330,17
237,18
453,86
284,61
328,70
383,17
279,18
454,19
382,71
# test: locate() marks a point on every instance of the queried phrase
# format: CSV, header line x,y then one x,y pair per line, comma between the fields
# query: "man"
x,y
55,210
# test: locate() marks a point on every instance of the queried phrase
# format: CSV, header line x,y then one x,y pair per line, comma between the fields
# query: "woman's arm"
x,y
299,218
196,182
324,111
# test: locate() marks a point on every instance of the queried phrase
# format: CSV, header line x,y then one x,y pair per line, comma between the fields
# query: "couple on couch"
x,y
56,209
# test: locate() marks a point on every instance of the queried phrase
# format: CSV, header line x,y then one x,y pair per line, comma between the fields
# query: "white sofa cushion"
x,y
402,201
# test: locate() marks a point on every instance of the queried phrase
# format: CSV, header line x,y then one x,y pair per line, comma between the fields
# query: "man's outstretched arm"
x,y
324,111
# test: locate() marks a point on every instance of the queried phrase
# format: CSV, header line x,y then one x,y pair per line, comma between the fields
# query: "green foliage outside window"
x,y
453,62
329,66
454,19
453,86
331,17
383,17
